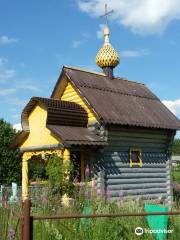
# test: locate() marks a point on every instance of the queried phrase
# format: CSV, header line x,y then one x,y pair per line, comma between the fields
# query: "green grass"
x,y
120,228
9,225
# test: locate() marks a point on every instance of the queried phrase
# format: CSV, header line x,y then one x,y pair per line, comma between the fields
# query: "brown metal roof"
x,y
66,119
59,112
76,135
119,101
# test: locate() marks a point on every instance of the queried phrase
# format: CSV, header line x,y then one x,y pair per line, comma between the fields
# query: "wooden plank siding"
x,y
71,95
152,180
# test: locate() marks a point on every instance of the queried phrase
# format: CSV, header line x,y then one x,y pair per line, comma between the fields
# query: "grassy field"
x,y
121,228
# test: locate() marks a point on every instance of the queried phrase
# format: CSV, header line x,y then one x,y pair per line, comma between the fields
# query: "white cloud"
x,y
7,40
16,101
5,73
173,106
3,61
134,53
100,31
27,85
141,16
5,92
77,43
84,39
16,116
17,126
30,87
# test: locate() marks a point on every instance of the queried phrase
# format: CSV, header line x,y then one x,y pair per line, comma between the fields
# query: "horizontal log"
x,y
144,196
138,130
135,175
126,149
136,139
127,165
116,193
138,180
126,153
141,144
137,186
136,169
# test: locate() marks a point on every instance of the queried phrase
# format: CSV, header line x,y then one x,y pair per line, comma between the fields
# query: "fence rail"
x,y
102,215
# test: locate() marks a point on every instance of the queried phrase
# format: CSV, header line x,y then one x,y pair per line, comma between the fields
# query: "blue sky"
x,y
38,37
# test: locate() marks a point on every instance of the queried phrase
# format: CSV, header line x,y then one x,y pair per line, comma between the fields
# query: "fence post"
x,y
26,219
21,229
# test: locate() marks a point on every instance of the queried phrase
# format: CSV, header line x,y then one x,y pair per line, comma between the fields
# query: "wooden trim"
x,y
139,150
44,147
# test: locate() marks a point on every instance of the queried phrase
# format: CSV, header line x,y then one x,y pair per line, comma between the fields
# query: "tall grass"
x,y
9,225
120,228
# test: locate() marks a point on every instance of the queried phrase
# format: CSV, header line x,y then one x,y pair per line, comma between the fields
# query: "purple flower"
x,y
87,171
37,185
102,192
121,194
108,194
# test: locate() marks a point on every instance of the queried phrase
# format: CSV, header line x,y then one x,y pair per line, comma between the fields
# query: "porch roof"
x,y
77,135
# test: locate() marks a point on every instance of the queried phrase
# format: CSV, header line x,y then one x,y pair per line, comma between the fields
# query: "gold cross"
x,y
106,14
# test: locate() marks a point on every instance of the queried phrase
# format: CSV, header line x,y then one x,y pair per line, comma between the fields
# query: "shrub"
x,y
58,172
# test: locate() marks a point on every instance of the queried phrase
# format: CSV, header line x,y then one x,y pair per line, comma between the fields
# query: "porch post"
x,y
25,180
66,158
66,154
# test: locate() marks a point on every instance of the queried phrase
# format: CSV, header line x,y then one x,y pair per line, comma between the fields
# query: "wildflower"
x,y
87,171
108,194
11,234
121,194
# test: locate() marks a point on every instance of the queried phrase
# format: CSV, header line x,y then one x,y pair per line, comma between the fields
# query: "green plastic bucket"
x,y
86,211
157,222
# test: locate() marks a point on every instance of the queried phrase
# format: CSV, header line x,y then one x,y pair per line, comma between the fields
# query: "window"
x,y
135,157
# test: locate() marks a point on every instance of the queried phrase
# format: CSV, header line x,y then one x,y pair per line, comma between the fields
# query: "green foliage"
x,y
176,174
176,147
37,170
9,224
58,172
120,228
10,161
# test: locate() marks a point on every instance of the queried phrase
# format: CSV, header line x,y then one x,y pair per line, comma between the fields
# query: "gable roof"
x,y
66,120
119,101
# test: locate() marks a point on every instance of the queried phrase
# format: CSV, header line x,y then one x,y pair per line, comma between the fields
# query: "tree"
x,y
176,147
10,161
37,170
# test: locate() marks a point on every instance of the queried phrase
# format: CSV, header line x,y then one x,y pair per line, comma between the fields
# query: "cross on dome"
x,y
107,57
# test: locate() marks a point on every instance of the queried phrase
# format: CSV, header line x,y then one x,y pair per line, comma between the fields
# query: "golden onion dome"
x,y
107,55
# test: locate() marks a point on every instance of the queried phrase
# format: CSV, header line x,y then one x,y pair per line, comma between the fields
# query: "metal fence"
x,y
24,221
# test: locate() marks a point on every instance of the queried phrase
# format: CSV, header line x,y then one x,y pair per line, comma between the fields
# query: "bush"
x,y
58,172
